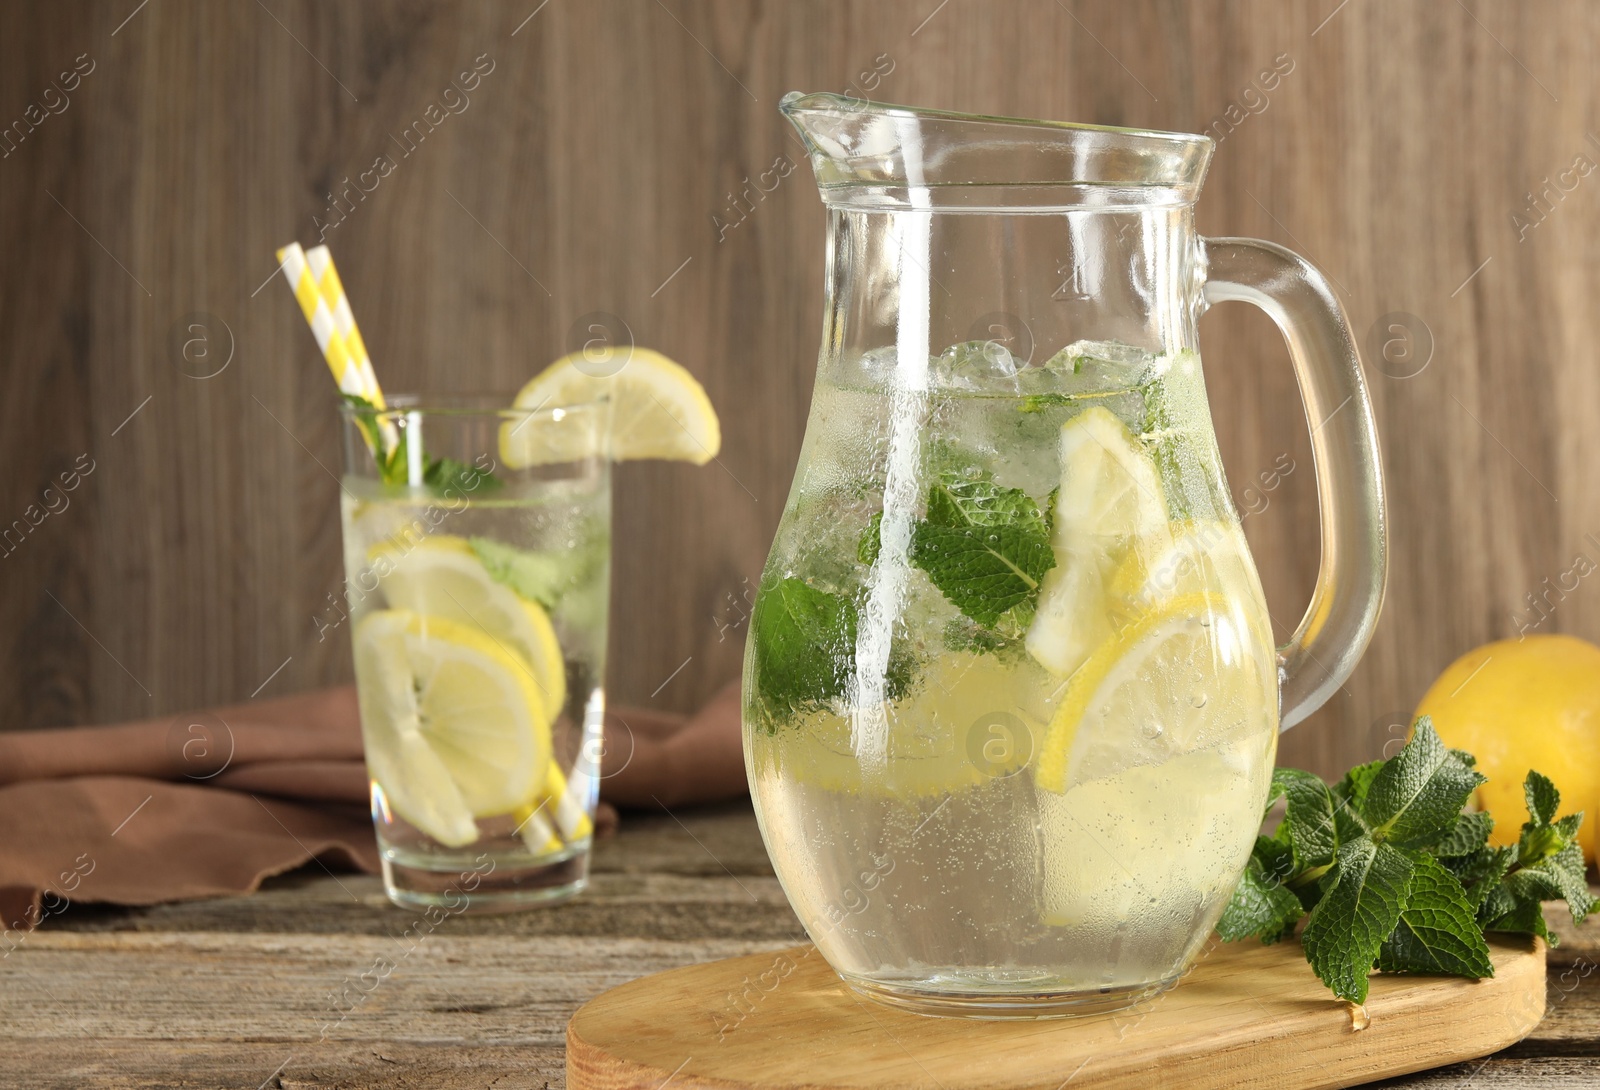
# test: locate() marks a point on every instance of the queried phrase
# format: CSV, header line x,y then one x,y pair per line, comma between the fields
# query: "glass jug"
x,y
1011,699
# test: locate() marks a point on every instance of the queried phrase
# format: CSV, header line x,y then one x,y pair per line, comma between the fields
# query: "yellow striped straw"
x,y
331,288
569,811
320,293
534,828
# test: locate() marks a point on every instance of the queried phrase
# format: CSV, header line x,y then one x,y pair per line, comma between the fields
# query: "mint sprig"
x,y
1391,874
442,474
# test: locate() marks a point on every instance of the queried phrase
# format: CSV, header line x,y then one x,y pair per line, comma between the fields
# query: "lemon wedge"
x,y
1110,494
1193,557
1182,677
1171,833
441,576
454,727
1109,484
658,410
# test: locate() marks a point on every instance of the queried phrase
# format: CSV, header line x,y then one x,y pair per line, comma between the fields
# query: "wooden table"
x,y
268,990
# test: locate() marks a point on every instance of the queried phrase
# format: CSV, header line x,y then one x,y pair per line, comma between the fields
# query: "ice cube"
x,y
1096,367
867,370
980,366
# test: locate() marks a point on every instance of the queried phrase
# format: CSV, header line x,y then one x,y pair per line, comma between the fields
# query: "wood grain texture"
x,y
267,990
1246,1016
594,170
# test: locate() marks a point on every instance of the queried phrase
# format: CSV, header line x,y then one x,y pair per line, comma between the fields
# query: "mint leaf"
x,y
1543,798
1356,784
366,415
537,576
1469,834
1276,857
1261,905
1524,917
1361,908
394,465
1480,874
871,543
1549,866
1310,817
1415,797
1437,932
1559,877
805,641
1038,403
446,474
985,547
961,501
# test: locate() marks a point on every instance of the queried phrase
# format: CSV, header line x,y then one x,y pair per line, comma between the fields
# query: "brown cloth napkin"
x,y
209,803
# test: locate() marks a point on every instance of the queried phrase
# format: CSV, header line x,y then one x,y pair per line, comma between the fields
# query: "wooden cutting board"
x,y
1246,1016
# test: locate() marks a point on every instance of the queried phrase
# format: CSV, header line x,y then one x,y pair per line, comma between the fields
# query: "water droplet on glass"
x,y
1198,700
1152,728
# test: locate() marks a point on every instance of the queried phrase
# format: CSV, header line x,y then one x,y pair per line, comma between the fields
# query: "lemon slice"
x,y
454,728
1109,484
1195,557
441,576
558,808
1175,833
657,408
1073,614
1110,494
1180,678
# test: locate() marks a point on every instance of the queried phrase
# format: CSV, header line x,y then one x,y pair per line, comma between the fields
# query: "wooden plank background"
x,y
587,174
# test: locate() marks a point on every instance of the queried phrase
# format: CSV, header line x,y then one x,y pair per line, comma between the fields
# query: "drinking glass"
x,y
477,590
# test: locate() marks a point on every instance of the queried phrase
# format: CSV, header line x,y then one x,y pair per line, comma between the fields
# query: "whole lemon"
x,y
1521,704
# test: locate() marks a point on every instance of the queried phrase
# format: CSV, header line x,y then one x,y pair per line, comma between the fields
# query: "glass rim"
x,y
797,102
466,404
873,155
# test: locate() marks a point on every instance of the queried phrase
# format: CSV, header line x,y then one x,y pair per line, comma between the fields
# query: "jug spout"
x,y
866,152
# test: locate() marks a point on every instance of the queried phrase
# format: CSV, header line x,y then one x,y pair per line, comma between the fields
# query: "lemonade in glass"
x,y
477,587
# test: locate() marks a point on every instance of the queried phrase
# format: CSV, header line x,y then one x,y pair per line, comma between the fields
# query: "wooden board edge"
x,y
1259,1064
1262,1064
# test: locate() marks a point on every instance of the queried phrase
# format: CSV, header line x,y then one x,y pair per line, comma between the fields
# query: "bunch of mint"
x,y
1391,874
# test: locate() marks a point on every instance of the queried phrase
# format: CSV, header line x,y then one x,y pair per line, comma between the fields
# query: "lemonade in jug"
x,y
1011,693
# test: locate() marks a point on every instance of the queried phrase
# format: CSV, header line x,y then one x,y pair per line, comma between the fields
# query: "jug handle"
x,y
1344,446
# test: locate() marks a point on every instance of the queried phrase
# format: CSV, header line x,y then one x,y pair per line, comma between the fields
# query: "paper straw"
x,y
319,316
571,816
326,277
320,293
535,830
